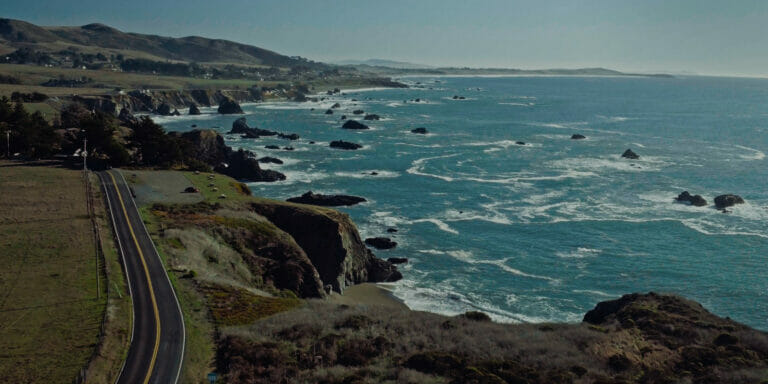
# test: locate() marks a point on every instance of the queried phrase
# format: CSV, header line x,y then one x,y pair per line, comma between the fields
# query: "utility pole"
x,y
85,154
8,144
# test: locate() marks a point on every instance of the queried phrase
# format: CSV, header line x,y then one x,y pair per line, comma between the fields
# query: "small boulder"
x,y
728,200
288,136
229,106
341,144
358,112
372,116
329,112
380,242
271,147
288,148
577,136
420,130
343,117
398,260
520,142
194,110
354,124
391,230
191,190
629,154
337,105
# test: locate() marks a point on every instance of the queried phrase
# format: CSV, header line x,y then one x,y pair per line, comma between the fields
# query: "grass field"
x,y
50,315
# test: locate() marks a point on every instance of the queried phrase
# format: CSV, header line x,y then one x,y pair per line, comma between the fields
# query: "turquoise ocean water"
x,y
545,230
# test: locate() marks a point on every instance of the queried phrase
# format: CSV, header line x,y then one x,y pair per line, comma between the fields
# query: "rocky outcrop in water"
x,y
372,116
420,130
331,242
629,154
163,109
194,110
208,147
240,126
695,200
341,144
229,106
242,165
380,242
327,200
354,124
728,200
271,160
577,136
329,112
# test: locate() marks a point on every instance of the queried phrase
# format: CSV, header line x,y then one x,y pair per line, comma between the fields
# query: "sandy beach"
x,y
367,294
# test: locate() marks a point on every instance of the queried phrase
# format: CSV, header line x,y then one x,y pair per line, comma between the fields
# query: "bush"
x,y
476,316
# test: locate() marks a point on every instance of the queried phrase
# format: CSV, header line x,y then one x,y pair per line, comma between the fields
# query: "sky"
x,y
673,36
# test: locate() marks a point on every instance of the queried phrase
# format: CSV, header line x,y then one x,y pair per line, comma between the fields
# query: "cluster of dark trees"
x,y
32,137
162,67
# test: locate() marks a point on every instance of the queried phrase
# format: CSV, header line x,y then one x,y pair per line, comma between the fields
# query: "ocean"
x,y
542,231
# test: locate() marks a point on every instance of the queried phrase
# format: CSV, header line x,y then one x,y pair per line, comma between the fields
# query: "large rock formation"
x,y
208,146
326,200
194,110
728,200
229,106
331,242
243,166
163,109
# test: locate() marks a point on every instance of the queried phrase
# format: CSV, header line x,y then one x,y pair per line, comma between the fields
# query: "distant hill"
x,y
15,34
384,63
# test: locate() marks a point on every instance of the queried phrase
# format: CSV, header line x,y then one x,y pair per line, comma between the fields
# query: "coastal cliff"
x,y
331,241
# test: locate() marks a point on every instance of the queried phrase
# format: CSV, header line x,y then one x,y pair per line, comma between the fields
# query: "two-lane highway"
x,y
157,339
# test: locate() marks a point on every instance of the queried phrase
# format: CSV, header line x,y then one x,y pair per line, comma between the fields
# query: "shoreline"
x,y
367,294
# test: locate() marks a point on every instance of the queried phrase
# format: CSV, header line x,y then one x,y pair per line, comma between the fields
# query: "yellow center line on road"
x,y
149,281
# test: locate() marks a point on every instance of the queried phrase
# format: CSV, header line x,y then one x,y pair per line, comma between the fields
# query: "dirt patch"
x,y
165,187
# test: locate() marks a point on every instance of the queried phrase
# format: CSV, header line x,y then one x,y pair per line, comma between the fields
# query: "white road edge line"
x,y
125,270
165,272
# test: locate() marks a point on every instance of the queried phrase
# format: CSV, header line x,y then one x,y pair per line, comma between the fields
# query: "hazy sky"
x,y
703,36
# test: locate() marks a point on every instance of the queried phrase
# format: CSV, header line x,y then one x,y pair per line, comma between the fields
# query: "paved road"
x,y
157,340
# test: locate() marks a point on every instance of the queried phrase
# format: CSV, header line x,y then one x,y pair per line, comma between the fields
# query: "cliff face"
x,y
331,242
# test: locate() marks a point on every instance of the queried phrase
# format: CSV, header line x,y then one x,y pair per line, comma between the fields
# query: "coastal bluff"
x,y
331,242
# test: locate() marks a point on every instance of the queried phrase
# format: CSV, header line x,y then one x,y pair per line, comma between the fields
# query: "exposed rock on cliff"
x,y
332,243
326,200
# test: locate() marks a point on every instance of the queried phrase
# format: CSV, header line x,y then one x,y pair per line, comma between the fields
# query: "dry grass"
x,y
117,330
49,311
233,306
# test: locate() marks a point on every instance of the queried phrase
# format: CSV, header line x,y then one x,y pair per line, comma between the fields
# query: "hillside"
x,y
15,34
